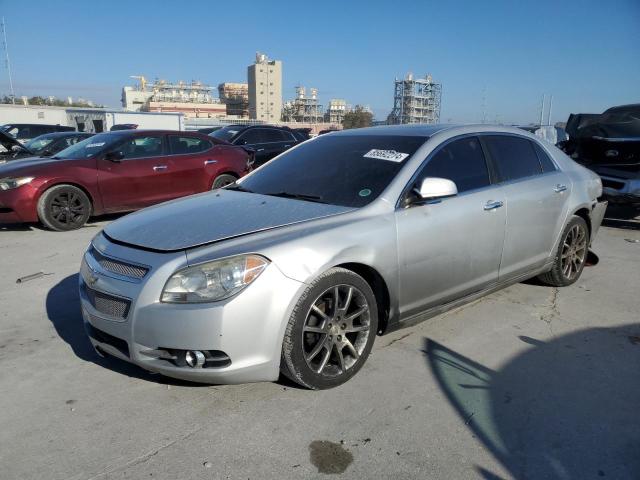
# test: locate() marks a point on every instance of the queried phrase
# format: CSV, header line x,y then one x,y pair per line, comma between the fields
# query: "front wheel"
x,y
63,208
570,256
331,330
223,180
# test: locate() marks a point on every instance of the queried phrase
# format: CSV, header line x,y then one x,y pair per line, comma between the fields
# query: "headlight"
x,y
213,281
11,183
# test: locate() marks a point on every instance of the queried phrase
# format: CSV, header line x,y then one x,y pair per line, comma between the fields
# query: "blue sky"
x,y
585,53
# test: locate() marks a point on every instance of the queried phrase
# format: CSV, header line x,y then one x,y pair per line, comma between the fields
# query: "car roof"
x,y
428,130
65,134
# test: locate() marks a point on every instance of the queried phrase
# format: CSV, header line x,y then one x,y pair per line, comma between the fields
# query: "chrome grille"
x,y
117,266
108,304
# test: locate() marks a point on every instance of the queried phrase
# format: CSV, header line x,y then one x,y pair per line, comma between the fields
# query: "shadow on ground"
x,y
622,216
63,309
568,408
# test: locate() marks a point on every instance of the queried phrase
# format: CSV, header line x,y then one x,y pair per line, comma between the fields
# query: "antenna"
x,y
8,63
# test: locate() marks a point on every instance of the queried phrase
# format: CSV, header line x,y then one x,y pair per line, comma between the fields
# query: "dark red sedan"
x,y
115,172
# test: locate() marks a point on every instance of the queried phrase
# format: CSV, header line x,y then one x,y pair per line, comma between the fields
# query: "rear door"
x,y
277,141
450,248
141,178
190,160
255,138
536,194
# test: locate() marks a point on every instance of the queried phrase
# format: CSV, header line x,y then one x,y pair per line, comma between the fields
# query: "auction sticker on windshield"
x,y
390,155
94,145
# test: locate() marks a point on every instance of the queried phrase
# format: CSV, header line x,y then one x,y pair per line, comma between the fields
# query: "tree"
x,y
357,118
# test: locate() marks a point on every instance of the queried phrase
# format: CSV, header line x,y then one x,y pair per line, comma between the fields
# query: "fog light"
x,y
195,359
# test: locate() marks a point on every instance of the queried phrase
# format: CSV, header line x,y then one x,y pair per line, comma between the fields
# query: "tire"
x,y
223,180
323,346
63,208
571,255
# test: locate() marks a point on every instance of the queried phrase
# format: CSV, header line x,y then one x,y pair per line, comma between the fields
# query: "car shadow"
x,y
622,216
566,408
63,310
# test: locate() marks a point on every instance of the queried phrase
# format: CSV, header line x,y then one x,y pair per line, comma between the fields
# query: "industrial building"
x,y
265,89
336,110
193,99
416,100
304,108
236,98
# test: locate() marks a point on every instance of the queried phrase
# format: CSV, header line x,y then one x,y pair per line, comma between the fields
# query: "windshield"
x,y
225,133
39,143
89,147
346,170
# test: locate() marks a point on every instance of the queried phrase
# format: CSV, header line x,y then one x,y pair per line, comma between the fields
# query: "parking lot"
x,y
530,382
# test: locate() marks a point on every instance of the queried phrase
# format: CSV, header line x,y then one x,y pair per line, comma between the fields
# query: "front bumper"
x,y
18,205
247,328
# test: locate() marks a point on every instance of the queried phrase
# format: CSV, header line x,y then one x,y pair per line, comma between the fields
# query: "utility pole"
x,y
549,114
8,63
542,110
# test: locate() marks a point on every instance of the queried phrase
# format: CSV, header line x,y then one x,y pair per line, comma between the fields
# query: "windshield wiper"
x,y
297,196
238,188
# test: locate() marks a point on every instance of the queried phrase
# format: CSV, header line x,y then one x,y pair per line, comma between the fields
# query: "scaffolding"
x,y
416,101
304,109
236,97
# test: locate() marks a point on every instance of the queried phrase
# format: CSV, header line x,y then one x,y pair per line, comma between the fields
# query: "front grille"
x,y
612,184
108,304
118,266
104,337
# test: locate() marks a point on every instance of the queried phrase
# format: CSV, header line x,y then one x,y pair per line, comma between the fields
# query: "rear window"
x,y
514,157
226,133
348,170
187,145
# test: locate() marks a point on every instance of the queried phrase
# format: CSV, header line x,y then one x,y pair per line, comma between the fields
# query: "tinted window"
x,y
250,137
545,161
335,169
38,144
140,147
186,145
272,135
90,147
514,156
461,161
226,133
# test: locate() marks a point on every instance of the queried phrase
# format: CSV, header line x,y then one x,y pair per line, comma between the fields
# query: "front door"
x,y
451,248
141,178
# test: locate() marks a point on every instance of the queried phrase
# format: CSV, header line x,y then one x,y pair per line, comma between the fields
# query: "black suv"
x,y
266,141
26,131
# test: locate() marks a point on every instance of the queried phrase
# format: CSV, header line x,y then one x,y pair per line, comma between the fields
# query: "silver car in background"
x,y
297,267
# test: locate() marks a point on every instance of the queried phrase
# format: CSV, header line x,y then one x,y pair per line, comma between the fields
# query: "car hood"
x,y
7,141
22,165
212,217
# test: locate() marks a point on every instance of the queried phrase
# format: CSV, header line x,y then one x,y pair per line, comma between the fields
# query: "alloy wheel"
x,y
67,208
336,330
574,252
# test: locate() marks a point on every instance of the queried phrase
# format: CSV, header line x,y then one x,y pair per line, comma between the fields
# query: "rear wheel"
x,y
64,207
331,330
223,180
570,256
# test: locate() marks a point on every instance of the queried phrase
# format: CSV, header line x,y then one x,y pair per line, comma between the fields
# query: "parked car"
x,y
43,146
208,130
115,172
123,126
267,141
24,132
609,144
300,264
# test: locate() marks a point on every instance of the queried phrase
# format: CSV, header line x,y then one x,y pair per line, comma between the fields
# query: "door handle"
x,y
560,188
287,146
491,205
159,168
209,162
260,150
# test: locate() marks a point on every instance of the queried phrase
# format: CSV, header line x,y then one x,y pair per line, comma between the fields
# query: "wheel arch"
x,y
379,287
59,183
584,213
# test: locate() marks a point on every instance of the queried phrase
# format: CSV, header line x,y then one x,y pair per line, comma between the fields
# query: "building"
x,y
304,108
265,89
193,99
336,111
236,98
416,101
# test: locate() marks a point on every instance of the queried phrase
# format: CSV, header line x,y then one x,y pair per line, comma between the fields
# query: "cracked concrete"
x,y
126,423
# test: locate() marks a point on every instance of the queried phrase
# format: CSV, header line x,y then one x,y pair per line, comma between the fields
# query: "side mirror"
x,y
116,156
433,189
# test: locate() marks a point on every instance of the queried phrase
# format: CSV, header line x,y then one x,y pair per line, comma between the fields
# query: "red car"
x,y
116,172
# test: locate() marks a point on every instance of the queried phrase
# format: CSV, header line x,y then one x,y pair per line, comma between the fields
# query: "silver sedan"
x,y
298,266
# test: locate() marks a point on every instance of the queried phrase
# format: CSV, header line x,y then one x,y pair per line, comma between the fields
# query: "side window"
x,y
187,145
140,147
545,161
514,157
461,161
251,137
272,135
